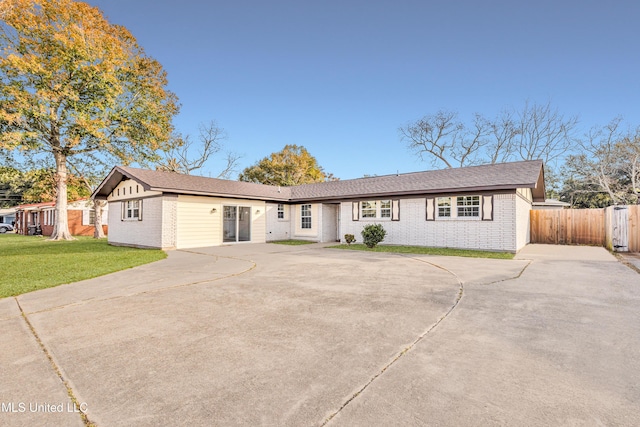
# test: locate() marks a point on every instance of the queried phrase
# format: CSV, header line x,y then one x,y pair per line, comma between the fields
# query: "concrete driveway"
x,y
278,335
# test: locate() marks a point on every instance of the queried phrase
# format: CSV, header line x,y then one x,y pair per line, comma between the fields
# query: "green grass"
x,y
29,263
427,251
292,242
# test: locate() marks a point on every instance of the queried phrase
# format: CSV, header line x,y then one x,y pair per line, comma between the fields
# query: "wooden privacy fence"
x,y
616,227
568,227
634,228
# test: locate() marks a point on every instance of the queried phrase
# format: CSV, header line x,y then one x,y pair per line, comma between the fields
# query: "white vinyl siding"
x,y
172,222
523,218
200,220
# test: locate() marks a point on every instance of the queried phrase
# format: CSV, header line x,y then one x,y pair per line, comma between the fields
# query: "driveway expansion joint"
x,y
530,261
55,367
150,291
408,347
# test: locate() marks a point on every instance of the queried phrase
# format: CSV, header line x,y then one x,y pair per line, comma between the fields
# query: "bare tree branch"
x,y
535,132
468,143
431,136
503,132
232,160
544,133
180,157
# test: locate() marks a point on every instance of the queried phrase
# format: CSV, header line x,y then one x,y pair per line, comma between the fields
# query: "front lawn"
x,y
292,242
29,263
427,251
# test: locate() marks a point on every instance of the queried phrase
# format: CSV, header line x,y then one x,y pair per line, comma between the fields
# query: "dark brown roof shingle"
x,y
171,182
525,174
504,176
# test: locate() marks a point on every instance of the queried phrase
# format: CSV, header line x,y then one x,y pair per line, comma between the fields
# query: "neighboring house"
x,y
551,204
480,207
8,215
80,215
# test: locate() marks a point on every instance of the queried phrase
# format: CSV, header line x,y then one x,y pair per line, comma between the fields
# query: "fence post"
x,y
634,228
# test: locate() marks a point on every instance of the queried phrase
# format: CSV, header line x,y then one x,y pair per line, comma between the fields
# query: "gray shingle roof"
x,y
504,176
171,182
526,174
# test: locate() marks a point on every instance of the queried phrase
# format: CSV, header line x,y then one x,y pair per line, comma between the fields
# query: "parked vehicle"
x,y
5,227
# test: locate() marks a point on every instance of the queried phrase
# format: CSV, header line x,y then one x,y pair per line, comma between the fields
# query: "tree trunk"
x,y
98,233
61,227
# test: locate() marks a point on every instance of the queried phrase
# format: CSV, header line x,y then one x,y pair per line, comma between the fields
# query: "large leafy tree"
x,y
35,186
293,165
12,187
75,88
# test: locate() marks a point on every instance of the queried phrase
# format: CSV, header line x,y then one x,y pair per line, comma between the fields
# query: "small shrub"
x,y
349,238
373,234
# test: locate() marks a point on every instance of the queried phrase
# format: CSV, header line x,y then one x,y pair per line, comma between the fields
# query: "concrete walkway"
x,y
279,335
630,258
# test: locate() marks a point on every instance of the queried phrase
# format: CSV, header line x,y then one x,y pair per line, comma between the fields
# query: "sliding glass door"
x,y
236,224
229,223
244,224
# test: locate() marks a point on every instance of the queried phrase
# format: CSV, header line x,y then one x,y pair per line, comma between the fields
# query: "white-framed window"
x,y
444,207
375,209
132,209
385,208
280,210
89,217
368,209
468,206
305,216
47,217
459,207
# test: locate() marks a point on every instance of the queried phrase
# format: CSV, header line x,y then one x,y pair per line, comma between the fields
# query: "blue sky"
x,y
340,77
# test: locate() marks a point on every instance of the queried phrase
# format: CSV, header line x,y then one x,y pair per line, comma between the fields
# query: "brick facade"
x,y
28,217
499,234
